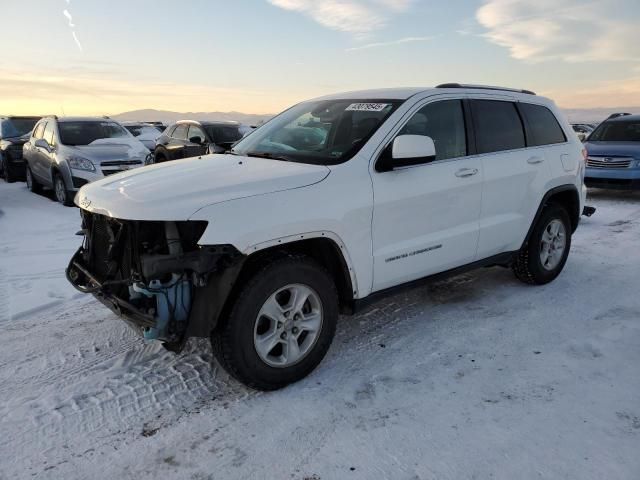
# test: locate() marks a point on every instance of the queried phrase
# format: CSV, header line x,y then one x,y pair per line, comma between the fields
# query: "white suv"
x,y
327,206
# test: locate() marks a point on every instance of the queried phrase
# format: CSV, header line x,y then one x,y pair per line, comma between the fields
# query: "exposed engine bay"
x,y
154,274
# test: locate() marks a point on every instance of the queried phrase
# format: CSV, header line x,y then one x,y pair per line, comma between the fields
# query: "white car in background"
x,y
146,133
325,208
65,153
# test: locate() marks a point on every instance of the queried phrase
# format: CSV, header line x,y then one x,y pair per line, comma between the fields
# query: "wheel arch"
x,y
565,195
322,248
326,248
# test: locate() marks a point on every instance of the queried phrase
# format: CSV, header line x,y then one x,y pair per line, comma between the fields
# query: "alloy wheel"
x,y
288,325
553,244
61,191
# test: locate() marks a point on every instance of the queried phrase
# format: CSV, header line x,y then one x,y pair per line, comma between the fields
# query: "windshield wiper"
x,y
270,156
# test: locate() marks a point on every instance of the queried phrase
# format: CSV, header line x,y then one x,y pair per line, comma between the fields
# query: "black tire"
x,y
32,183
159,158
60,191
527,264
7,172
233,340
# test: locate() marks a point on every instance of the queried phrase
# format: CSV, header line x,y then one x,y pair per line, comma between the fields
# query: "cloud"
x,y
400,41
613,93
569,30
358,17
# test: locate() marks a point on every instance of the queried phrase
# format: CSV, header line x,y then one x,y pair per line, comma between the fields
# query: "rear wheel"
x,y
60,189
281,324
32,183
543,257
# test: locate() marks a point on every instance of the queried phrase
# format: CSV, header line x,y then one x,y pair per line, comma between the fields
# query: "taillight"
x,y
585,155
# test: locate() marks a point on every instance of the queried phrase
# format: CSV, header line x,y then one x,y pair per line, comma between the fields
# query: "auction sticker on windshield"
x,y
366,107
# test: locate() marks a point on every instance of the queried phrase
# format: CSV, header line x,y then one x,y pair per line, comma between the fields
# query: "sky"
x,y
85,57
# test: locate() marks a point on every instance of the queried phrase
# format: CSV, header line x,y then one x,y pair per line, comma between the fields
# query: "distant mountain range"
x,y
165,116
576,115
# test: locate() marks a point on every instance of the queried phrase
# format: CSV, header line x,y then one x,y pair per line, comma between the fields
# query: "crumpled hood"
x,y
614,149
111,149
175,190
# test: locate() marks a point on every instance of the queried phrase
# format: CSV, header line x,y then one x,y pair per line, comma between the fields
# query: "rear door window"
x,y
498,126
543,126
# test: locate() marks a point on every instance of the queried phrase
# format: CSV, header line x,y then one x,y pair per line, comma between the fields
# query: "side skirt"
x,y
502,260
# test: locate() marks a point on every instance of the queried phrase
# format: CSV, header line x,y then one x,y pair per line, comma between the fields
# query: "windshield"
x,y
325,132
223,133
617,131
86,132
17,127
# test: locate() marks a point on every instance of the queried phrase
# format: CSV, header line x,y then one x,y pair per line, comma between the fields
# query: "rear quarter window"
x,y
543,127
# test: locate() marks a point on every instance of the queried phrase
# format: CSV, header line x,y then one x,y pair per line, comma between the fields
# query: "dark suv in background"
x,y
14,133
189,138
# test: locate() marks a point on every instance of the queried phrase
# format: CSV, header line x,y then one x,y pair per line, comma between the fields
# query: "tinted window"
x,y
180,133
196,131
39,131
498,126
224,134
444,123
48,133
17,127
617,131
86,132
544,129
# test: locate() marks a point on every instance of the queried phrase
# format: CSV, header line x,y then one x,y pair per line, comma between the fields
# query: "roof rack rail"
x,y
484,87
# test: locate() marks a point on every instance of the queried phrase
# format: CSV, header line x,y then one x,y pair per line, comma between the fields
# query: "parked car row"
x,y
326,207
65,153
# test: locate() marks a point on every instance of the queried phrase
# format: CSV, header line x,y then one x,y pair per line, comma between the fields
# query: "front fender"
x,y
257,223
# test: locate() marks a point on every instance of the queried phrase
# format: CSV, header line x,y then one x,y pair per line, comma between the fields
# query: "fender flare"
x,y
342,249
545,200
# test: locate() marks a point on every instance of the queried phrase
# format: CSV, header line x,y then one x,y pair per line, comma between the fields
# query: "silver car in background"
x,y
67,153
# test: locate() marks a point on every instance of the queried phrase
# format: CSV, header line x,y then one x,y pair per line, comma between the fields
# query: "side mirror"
x,y
42,143
407,150
197,140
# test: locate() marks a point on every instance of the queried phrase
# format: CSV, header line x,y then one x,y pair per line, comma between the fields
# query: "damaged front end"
x,y
154,274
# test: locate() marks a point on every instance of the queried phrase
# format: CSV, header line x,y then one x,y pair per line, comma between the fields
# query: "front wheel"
x,y
543,257
64,196
281,324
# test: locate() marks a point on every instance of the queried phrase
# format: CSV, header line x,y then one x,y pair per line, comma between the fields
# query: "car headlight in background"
x,y
80,163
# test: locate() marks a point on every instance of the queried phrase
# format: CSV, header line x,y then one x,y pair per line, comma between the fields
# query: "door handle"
x,y
535,160
466,172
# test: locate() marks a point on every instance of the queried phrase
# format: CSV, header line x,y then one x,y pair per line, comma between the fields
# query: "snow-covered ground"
x,y
479,376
